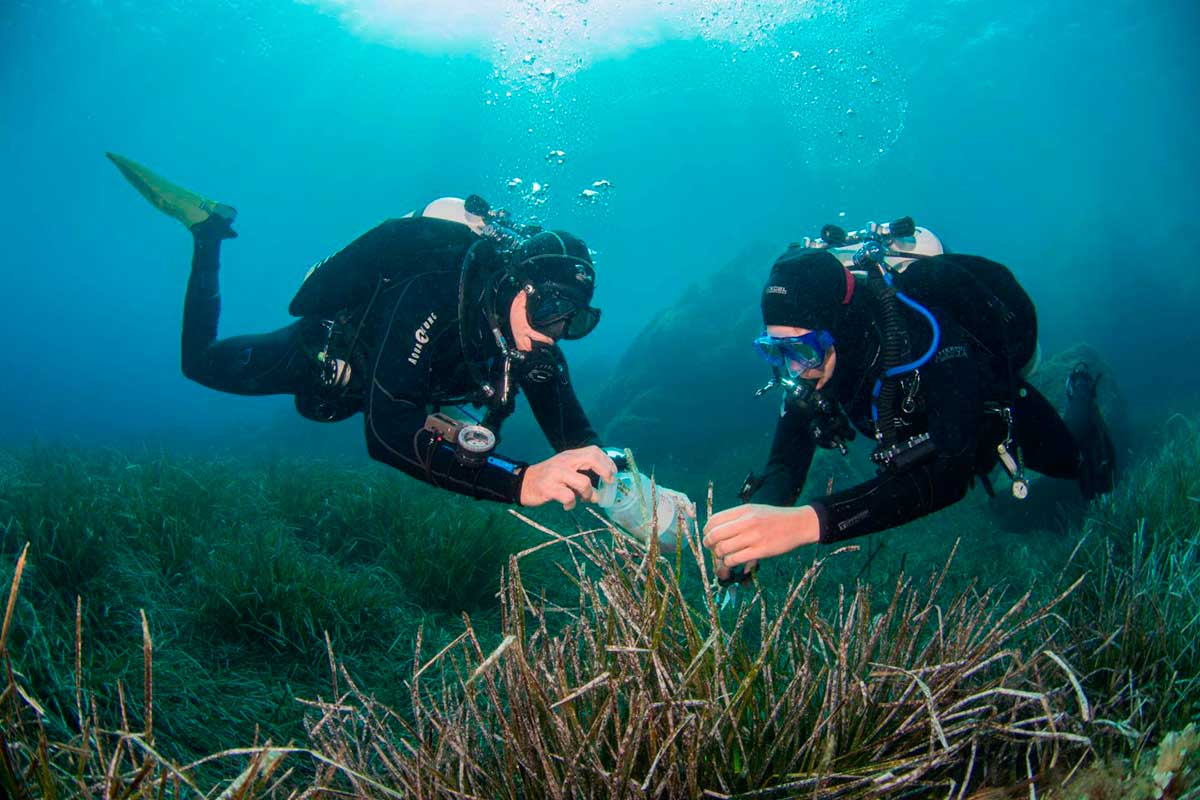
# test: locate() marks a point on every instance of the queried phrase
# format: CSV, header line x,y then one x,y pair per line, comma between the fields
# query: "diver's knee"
x,y
191,370
197,370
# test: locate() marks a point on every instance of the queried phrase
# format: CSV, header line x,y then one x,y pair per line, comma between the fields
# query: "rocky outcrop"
x,y
683,394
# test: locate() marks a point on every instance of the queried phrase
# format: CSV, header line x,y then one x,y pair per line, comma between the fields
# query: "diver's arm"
x,y
892,500
547,383
787,468
953,392
396,409
743,534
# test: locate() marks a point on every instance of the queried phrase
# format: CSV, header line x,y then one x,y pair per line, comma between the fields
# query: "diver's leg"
x,y
1047,445
1062,447
269,363
1097,467
202,303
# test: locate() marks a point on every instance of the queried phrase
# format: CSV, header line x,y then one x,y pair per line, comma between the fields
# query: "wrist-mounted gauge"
x,y
475,444
472,443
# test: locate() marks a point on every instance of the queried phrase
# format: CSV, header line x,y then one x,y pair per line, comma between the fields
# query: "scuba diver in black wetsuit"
x,y
440,309
926,353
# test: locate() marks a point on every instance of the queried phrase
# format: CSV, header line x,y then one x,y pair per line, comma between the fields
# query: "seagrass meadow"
x,y
205,595
178,627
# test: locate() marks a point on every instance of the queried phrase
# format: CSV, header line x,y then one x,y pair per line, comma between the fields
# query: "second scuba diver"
x,y
926,353
438,309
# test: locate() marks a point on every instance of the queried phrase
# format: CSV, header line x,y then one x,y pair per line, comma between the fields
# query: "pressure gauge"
x,y
1020,486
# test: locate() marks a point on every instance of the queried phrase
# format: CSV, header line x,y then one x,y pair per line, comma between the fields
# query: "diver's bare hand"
x,y
562,477
744,534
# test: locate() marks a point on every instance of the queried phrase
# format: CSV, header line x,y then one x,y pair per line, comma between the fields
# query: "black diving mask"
x,y
560,314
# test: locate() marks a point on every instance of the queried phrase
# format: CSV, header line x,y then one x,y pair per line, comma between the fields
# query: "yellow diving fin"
x,y
182,204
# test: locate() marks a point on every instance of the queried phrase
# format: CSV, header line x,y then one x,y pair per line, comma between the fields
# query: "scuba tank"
x,y
337,283
339,293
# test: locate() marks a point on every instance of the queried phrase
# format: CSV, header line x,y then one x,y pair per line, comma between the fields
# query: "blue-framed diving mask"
x,y
808,350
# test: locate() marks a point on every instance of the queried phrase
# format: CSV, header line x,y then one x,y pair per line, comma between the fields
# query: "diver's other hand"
x,y
562,477
744,534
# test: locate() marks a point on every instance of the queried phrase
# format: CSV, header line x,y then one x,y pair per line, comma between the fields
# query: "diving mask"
x,y
560,315
807,350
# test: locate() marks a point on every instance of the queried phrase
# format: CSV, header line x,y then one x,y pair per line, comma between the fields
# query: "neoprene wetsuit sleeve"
x,y
546,381
788,464
951,388
397,399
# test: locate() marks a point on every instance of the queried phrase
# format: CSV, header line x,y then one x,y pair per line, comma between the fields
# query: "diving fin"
x,y
182,204
1098,456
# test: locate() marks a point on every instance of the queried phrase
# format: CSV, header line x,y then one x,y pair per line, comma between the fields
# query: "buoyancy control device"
x,y
904,264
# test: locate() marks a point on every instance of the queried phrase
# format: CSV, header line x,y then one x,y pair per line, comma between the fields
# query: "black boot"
x,y
213,229
1097,466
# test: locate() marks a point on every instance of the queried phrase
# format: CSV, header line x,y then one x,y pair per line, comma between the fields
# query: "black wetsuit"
x,y
407,355
955,389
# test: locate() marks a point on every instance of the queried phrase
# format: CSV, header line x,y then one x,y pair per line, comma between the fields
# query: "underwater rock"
x,y
1051,380
1170,771
686,403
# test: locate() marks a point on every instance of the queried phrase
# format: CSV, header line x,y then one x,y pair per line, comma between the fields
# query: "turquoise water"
x,y
1055,137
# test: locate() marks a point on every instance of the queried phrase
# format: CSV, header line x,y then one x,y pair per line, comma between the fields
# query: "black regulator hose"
x,y
893,354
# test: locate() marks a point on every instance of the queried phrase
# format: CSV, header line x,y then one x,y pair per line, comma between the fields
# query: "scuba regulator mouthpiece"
x,y
828,425
794,388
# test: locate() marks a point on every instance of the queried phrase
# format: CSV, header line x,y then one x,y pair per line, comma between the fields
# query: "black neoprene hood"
x,y
559,258
806,289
